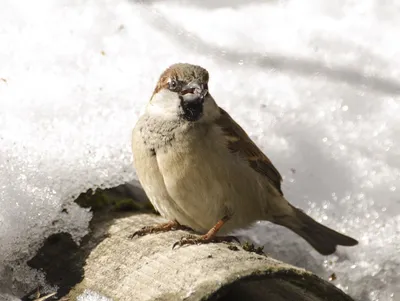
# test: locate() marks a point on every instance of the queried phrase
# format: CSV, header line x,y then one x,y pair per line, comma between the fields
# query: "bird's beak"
x,y
194,92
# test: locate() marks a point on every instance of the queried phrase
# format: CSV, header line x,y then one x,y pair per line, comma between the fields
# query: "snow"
x,y
315,84
89,295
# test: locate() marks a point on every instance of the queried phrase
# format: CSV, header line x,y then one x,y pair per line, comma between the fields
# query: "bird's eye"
x,y
173,85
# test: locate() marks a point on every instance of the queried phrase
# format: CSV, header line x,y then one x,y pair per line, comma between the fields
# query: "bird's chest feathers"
x,y
189,156
158,135
170,136
193,163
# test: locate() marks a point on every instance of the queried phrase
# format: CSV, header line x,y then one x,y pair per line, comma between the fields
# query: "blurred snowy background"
x,y
316,84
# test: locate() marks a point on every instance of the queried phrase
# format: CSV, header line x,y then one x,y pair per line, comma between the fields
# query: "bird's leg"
x,y
165,227
209,237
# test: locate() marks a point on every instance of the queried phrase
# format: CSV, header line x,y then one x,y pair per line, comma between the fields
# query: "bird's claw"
x,y
170,226
142,232
193,240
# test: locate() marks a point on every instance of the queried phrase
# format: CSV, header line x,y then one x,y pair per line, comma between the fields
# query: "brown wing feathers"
x,y
239,142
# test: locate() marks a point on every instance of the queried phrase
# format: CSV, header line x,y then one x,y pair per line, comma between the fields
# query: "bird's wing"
x,y
239,142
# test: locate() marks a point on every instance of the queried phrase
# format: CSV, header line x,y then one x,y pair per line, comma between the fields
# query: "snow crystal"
x,y
315,84
89,295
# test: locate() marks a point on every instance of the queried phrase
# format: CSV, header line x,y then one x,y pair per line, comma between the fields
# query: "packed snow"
x,y
315,83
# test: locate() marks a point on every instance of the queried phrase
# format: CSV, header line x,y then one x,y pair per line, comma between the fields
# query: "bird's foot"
x,y
204,239
165,227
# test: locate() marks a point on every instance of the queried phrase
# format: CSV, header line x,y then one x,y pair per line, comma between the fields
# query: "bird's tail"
x,y
322,238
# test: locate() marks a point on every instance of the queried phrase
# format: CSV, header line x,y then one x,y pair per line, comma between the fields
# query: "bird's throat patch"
x,y
191,111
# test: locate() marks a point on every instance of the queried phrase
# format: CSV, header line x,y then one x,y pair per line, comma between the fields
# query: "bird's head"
x,y
182,94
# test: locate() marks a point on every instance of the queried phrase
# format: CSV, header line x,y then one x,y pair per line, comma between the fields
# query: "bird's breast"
x,y
207,181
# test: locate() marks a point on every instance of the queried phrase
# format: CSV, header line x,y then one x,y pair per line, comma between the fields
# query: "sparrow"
x,y
201,170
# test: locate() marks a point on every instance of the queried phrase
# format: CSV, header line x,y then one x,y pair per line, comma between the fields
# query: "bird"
x,y
202,171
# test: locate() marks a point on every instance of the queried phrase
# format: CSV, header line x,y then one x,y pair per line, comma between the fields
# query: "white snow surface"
x,y
89,295
315,83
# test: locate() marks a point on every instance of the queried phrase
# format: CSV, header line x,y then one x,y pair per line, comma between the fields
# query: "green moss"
x,y
251,248
149,207
233,248
126,205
